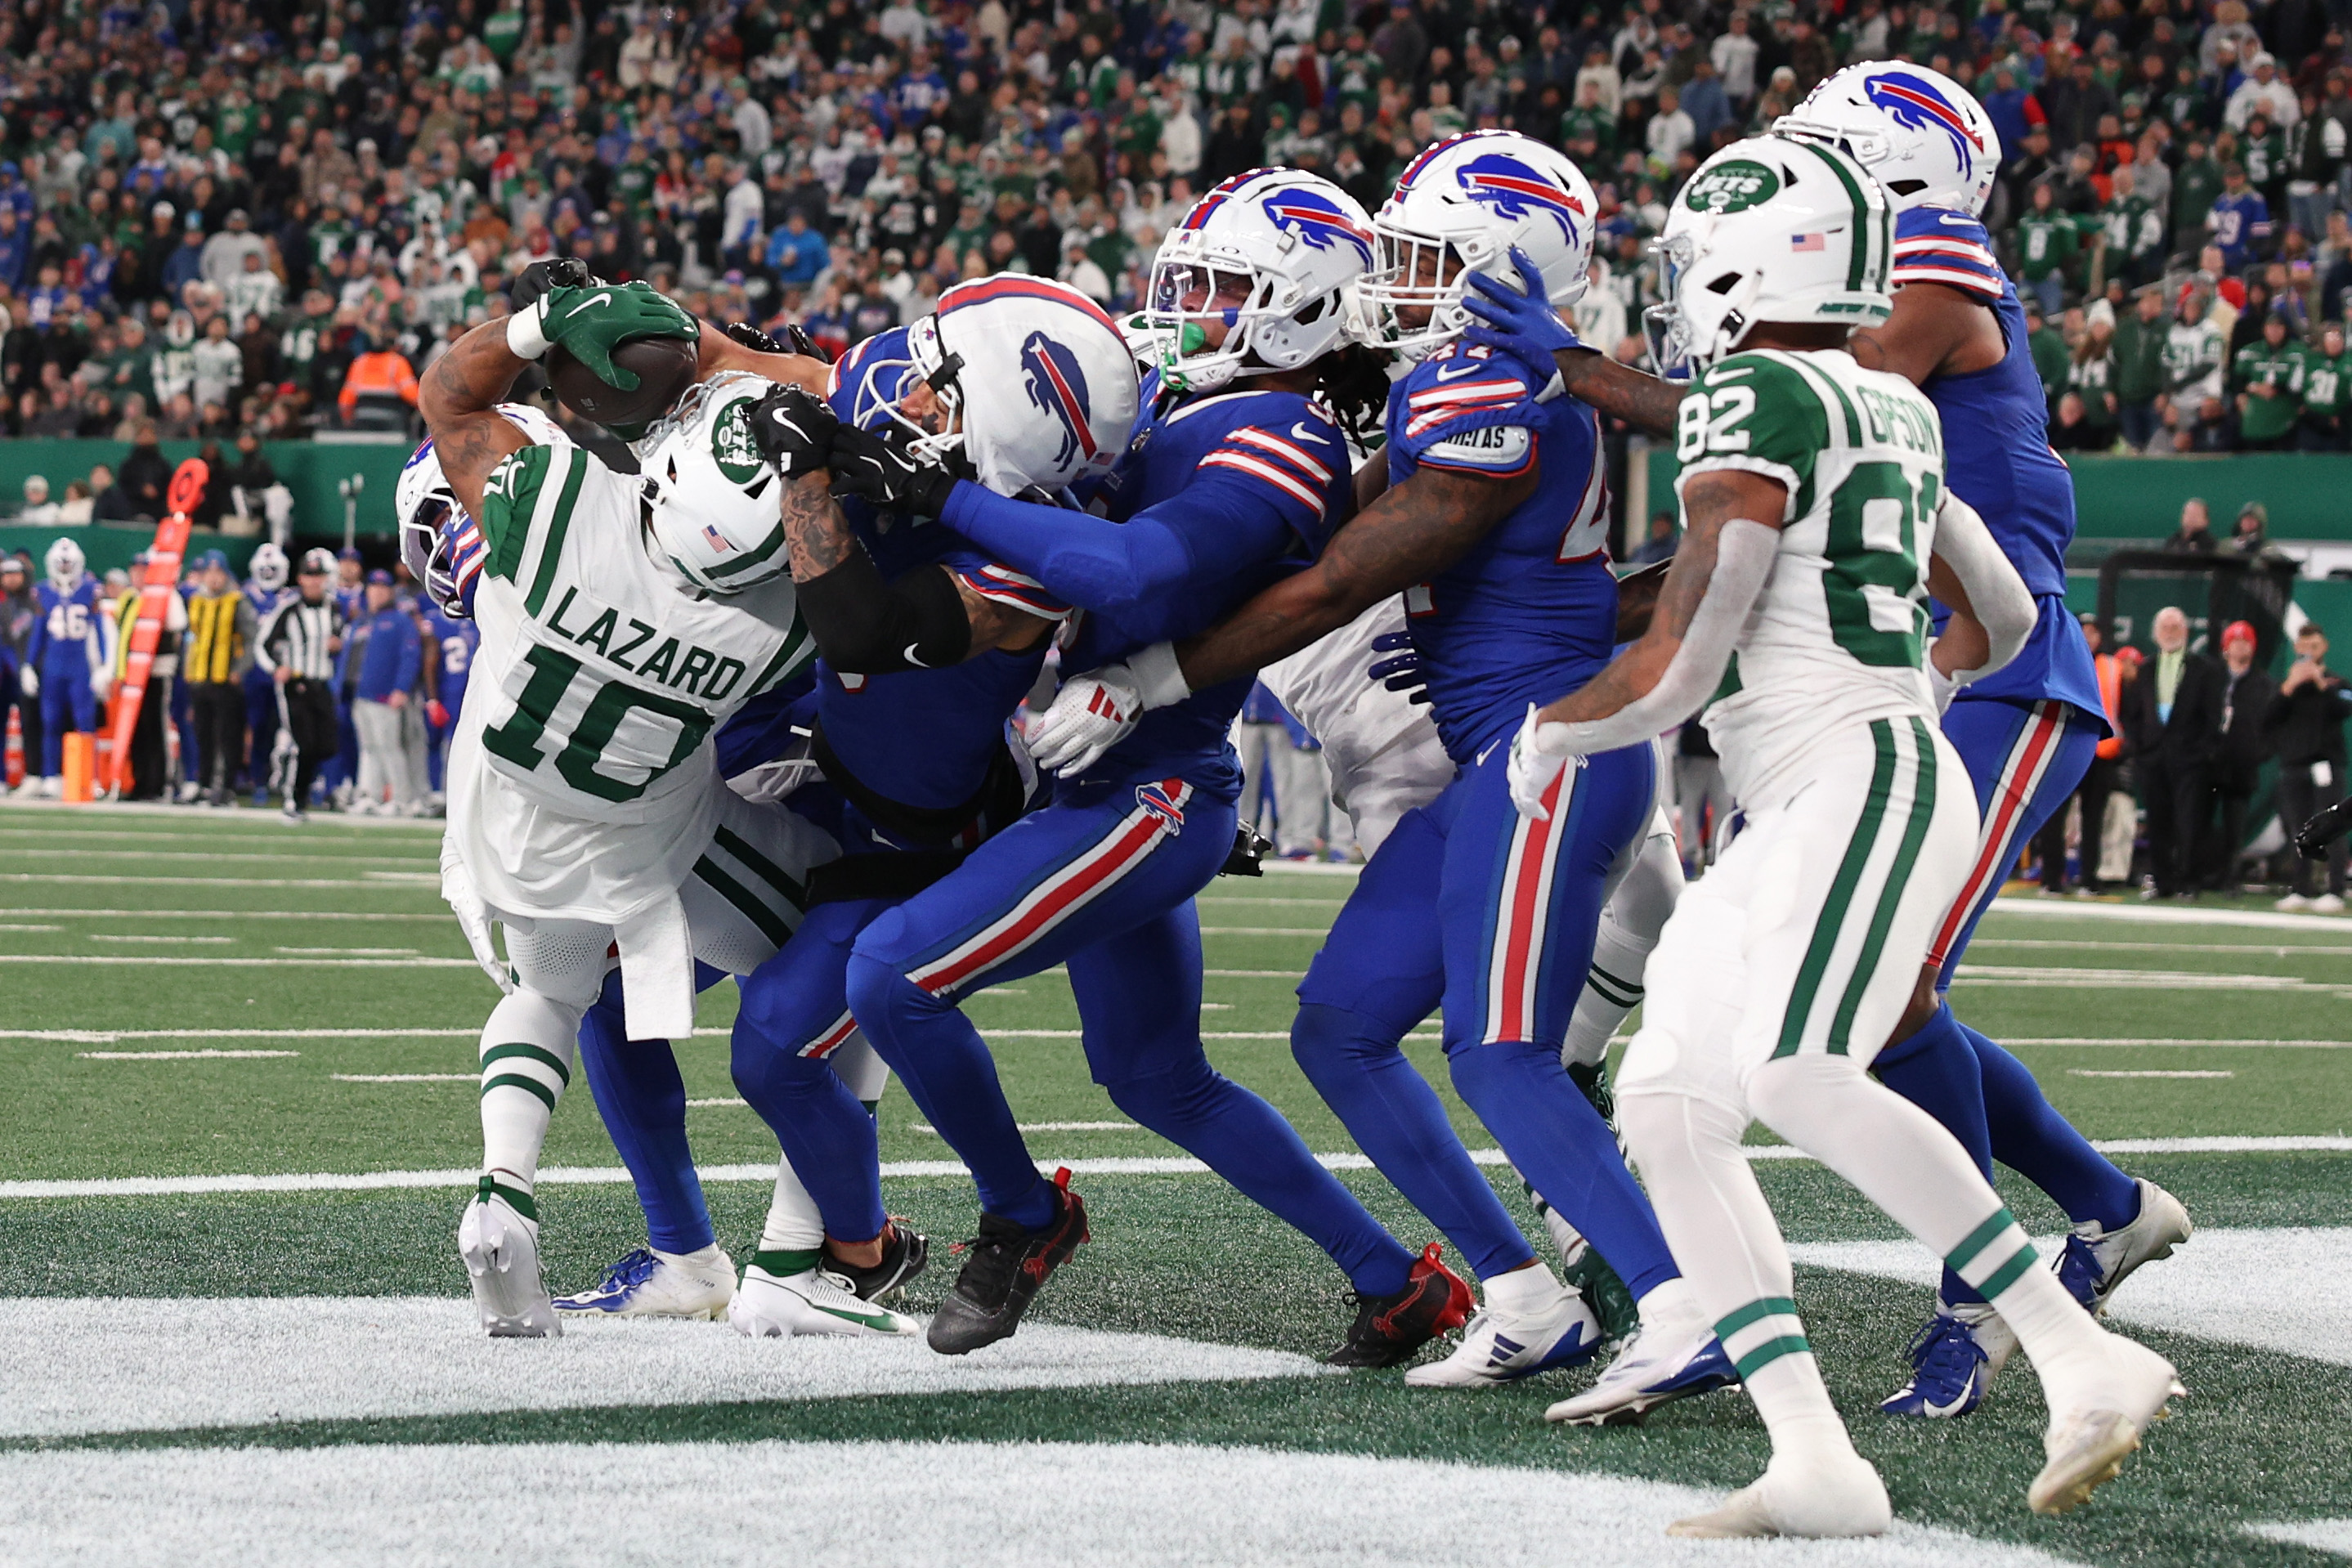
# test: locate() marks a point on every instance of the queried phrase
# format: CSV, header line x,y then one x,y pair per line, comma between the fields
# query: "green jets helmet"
x,y
1769,230
715,505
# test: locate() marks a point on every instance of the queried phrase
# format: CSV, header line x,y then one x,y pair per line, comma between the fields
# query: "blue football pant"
x,y
261,727
2026,759
642,1100
67,705
1101,881
1517,906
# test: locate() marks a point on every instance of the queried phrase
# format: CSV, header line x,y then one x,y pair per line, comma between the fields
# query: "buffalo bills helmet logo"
x,y
1516,190
1050,374
1316,219
1164,800
1917,104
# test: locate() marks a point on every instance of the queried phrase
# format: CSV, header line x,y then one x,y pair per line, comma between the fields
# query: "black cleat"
x,y
1389,1329
1003,1267
905,1253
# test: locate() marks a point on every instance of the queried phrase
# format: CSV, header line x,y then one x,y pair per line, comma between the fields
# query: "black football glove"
x,y
752,338
541,276
798,341
2311,839
880,469
794,431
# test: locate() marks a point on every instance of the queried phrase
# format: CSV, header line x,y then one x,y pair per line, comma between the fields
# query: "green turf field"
x,y
325,1028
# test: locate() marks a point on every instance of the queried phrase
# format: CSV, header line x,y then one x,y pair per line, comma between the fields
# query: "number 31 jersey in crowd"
x,y
581,782
1839,634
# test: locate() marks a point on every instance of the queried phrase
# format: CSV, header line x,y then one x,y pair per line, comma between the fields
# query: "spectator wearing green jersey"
x,y
2090,377
2046,243
2262,151
2048,347
2131,232
2327,389
2267,378
2139,378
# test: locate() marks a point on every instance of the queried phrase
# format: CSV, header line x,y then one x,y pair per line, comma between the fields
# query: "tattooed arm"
x,y
1414,531
1619,391
459,401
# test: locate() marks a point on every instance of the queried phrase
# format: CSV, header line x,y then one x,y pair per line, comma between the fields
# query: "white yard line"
x,y
159,960
758,1503
215,941
2165,915
29,928
2026,978
210,856
1265,931
350,952
413,1077
705,1104
2220,1045
1046,1127
2230,949
2331,1535
177,1055
196,820
2144,1072
226,916
81,879
603,1175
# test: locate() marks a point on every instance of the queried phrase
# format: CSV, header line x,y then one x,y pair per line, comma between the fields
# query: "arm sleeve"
x,y
1109,566
866,626
1743,559
1996,593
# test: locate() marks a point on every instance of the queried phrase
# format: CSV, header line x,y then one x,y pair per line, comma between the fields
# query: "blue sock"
x,y
1397,1119
1246,1142
1566,1153
643,1101
1937,1071
828,1136
950,1076
2030,1138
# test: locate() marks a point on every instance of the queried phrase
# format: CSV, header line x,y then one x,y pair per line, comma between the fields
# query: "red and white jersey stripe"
x,y
1005,586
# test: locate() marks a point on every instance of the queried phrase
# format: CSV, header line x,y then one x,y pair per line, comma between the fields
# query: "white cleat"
x,y
2091,1434
812,1301
650,1284
2094,1261
52,788
1653,1367
1501,1347
499,1245
1819,1497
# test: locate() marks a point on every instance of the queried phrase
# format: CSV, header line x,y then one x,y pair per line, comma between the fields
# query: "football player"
x,y
1235,477
2027,735
69,659
266,586
1812,498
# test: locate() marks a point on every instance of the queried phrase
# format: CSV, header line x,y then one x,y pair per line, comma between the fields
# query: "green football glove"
x,y
591,320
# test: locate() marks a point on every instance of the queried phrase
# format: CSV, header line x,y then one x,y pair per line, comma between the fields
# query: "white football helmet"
x,y
1036,386
268,566
1769,230
1272,255
64,564
1469,199
424,501
713,500
1925,138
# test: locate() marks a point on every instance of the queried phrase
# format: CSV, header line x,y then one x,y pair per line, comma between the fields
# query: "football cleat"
x,y
1389,1329
905,1254
1652,1368
1502,1347
1954,1360
2091,1432
499,1240
649,1284
1003,1269
2095,1261
812,1301
1816,1497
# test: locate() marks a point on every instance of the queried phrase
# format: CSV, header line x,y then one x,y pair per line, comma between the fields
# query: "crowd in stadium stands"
x,y
218,217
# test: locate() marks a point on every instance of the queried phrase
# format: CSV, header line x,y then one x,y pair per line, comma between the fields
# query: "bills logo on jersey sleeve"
x,y
1057,387
1316,219
1916,104
1516,190
1164,800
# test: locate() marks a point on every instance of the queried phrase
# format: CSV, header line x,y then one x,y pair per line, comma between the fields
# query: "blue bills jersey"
x,y
65,640
451,645
1529,613
1247,452
925,738
262,600
1997,456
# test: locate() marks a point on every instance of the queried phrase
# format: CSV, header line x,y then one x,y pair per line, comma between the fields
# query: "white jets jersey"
x,y
1839,634
582,780
1356,718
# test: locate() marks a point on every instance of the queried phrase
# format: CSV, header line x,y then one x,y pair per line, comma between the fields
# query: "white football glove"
x,y
473,916
31,681
1087,717
1533,768
101,685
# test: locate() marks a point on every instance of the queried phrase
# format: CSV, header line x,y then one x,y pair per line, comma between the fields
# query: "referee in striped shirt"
x,y
297,646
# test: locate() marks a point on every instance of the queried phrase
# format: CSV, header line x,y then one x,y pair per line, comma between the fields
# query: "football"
x,y
664,367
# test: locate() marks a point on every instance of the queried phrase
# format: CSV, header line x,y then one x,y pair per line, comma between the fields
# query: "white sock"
x,y
1670,1305
1630,924
1903,1160
792,1239
1735,1266
1522,1290
705,1257
527,1049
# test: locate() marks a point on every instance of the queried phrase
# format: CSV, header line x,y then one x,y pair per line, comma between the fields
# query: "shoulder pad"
x,y
1935,244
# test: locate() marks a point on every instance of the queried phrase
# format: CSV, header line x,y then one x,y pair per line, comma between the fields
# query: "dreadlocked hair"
x,y
1354,384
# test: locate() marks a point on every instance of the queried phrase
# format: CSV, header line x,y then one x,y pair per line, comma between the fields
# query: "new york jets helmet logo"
x,y
1731,186
731,446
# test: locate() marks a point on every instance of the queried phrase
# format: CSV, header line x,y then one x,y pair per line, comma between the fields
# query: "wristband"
x,y
524,338
1157,680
